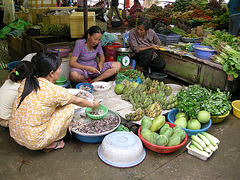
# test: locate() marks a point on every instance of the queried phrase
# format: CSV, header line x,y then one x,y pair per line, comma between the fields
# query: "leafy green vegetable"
x,y
197,98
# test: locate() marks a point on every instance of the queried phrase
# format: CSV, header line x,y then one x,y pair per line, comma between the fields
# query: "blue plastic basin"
x,y
204,126
202,53
12,65
85,85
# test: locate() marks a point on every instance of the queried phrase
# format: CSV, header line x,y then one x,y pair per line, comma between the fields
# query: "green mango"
x,y
157,123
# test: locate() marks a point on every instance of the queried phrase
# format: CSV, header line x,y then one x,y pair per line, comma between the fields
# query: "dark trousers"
x,y
144,59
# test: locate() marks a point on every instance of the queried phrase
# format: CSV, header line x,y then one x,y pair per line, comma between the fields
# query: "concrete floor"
x,y
79,160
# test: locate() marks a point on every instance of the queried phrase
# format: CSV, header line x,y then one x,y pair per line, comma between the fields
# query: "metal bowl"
x,y
121,149
91,138
124,50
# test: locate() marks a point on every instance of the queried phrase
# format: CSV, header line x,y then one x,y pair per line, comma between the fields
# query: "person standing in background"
x,y
135,8
234,17
58,3
114,8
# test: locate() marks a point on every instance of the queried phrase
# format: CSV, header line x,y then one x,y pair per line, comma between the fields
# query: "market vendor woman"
x,y
143,42
83,57
42,111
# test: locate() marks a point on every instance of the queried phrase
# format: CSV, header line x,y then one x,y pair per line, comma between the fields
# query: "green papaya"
x,y
162,140
146,123
155,135
176,128
157,123
164,127
181,133
167,132
148,136
174,140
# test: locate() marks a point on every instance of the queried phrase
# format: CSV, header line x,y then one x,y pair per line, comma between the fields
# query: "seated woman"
x,y
135,8
143,42
42,110
83,57
9,90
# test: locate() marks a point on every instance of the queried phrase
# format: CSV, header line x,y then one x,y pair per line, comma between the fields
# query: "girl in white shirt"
x,y
9,90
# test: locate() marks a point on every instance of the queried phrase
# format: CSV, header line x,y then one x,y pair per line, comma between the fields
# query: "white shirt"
x,y
8,92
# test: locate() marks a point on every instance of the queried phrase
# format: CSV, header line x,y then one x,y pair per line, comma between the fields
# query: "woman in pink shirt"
x,y
83,57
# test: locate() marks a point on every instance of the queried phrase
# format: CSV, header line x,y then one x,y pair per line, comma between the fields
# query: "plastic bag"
x,y
9,11
18,24
108,38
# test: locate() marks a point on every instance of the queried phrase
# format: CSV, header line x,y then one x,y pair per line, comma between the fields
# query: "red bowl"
x,y
162,149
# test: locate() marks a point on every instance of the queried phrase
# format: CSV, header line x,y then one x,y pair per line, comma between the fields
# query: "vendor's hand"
x,y
95,105
93,70
100,66
155,47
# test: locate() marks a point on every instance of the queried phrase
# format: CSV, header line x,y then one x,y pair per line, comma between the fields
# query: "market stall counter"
x,y
185,66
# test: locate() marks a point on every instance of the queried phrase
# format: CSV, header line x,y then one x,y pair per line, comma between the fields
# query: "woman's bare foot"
x,y
55,145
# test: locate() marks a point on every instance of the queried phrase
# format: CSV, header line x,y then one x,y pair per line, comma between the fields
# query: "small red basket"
x,y
162,149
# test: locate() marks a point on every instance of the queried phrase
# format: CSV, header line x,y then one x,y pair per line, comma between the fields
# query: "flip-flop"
x,y
58,146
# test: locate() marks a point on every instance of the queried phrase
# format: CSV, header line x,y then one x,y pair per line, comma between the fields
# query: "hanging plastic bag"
x,y
108,38
9,12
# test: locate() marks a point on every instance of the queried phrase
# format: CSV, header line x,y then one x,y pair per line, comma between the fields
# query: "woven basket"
x,y
77,23
41,3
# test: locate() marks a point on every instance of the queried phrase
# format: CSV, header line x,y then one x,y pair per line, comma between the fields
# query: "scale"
x,y
123,57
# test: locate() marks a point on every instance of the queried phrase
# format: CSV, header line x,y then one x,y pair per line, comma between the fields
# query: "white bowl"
x,y
121,149
101,86
88,94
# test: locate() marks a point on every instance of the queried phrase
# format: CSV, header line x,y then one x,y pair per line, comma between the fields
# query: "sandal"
x,y
58,146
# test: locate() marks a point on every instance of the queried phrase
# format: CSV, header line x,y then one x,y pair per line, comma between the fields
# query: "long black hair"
x,y
145,23
44,62
23,69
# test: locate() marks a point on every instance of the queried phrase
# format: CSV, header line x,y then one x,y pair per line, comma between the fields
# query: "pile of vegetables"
x,y
230,60
227,46
204,143
178,31
161,28
196,98
54,29
158,132
182,119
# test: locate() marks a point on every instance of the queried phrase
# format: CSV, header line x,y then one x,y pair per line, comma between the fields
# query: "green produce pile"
x,y
158,132
122,128
204,143
130,75
180,5
196,98
219,37
178,31
228,48
149,97
54,29
182,119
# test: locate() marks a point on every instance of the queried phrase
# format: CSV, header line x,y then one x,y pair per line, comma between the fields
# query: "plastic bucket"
x,y
111,51
236,108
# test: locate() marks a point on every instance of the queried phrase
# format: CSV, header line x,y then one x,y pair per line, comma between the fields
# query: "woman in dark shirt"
x,y
143,42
